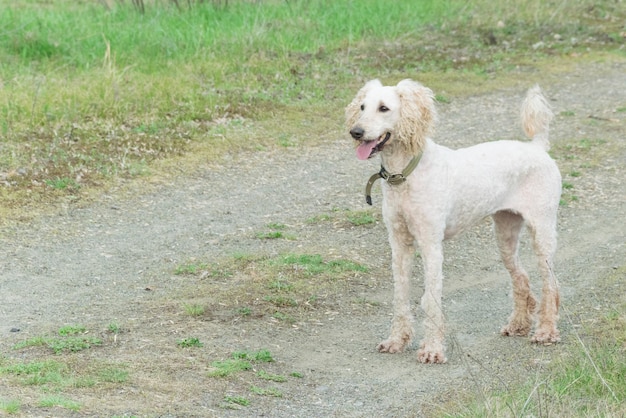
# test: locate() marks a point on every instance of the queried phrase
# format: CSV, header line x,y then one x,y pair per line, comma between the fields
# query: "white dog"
x,y
432,193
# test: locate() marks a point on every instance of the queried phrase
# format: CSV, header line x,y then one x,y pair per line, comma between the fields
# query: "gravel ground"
x,y
114,261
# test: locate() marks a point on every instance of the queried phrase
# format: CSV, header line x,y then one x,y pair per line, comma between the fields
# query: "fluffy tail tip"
x,y
536,116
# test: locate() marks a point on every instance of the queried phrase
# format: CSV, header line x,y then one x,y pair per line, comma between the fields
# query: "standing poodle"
x,y
432,193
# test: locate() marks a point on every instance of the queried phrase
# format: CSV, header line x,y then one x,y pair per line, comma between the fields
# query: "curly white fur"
x,y
516,183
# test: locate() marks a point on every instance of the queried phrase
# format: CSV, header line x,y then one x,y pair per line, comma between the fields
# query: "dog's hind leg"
x,y
402,259
544,244
507,227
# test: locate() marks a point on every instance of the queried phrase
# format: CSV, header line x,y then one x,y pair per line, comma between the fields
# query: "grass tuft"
x,y
10,406
194,309
72,330
236,400
240,361
67,341
226,368
266,392
60,401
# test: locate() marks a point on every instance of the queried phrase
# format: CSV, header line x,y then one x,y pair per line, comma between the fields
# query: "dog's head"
x,y
389,116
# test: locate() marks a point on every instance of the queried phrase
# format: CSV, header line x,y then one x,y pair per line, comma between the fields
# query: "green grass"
x,y
62,183
266,391
244,311
73,344
261,356
113,374
277,231
60,401
319,219
189,342
314,264
236,400
68,340
360,218
283,287
92,95
10,406
585,379
100,93
72,330
347,217
262,374
58,375
243,365
114,328
276,226
194,309
191,268
270,235
239,361
228,367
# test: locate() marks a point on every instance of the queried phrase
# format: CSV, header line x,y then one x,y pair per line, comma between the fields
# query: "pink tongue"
x,y
364,150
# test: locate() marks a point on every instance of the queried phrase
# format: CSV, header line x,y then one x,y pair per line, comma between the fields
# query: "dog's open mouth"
x,y
367,149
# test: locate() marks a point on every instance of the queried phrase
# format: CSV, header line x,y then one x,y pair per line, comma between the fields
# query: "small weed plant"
x,y
114,328
276,231
189,342
360,218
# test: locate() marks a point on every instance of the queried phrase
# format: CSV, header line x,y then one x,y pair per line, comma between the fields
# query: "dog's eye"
x,y
362,107
383,109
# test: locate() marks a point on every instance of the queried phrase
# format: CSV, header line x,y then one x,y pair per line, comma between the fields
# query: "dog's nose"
x,y
357,133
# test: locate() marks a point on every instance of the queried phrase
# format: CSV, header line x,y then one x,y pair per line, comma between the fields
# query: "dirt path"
x,y
92,266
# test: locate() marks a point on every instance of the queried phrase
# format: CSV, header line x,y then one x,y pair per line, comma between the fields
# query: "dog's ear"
x,y
417,114
354,108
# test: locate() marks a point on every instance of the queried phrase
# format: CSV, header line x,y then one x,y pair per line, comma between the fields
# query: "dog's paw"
x,y
391,346
431,354
546,337
434,357
515,329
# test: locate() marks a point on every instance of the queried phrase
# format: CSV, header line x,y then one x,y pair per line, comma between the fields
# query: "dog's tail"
x,y
536,117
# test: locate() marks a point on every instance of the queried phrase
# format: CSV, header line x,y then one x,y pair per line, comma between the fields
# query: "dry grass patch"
x,y
284,287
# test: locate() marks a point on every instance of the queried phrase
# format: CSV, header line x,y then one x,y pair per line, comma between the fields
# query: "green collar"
x,y
393,179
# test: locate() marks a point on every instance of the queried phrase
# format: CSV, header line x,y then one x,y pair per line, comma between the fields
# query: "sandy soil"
x,y
114,261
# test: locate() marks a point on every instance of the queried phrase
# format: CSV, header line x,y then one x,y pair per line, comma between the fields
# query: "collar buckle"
x,y
392,179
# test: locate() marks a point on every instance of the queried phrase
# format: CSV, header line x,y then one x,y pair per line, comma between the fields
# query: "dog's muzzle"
x,y
367,149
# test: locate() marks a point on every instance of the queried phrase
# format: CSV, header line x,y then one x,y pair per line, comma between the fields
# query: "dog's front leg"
x,y
402,253
431,348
